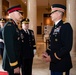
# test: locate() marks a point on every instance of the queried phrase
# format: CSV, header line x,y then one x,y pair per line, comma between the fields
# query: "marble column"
x,y
32,15
0,8
71,17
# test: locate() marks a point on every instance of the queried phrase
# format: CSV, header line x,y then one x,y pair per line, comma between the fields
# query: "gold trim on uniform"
x,y
49,49
64,73
34,46
57,56
9,25
14,63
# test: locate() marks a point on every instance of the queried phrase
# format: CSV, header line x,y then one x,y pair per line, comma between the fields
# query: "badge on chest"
x,y
56,30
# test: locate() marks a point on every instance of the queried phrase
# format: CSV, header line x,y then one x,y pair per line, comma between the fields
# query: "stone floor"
x,y
42,68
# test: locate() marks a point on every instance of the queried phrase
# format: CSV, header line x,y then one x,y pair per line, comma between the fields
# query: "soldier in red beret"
x,y
12,41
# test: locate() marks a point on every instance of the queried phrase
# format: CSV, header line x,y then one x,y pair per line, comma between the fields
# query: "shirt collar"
x,y
57,22
27,31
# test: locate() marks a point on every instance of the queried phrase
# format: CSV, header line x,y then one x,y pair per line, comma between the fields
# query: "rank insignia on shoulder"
x,y
9,25
22,36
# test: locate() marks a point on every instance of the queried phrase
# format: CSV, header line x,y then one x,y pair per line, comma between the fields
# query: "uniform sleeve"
x,y
9,45
48,49
66,42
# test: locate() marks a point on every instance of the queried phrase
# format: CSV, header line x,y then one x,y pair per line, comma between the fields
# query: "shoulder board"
x,y
65,23
9,24
31,30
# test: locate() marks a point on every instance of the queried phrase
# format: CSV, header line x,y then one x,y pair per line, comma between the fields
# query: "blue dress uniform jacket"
x,y
60,45
12,46
28,44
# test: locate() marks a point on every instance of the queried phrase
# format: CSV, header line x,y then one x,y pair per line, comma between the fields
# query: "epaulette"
x,y
65,22
9,24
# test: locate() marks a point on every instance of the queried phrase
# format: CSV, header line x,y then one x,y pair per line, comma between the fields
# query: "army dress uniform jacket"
x,y
12,46
28,44
60,44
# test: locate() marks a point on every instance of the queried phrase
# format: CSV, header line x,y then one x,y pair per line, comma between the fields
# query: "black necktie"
x,y
55,26
26,31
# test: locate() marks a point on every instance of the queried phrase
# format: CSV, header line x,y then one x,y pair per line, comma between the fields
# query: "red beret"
x,y
14,8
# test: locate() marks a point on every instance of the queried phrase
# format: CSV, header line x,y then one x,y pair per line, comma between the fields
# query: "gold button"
x,y
56,39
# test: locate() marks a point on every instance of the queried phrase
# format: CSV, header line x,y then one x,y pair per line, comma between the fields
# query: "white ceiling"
x,y
45,2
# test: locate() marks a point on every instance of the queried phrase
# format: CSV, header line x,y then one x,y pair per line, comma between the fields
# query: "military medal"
x,y
22,40
18,38
22,36
17,30
56,39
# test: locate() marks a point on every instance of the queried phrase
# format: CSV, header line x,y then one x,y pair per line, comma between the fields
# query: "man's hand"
x,y
17,70
46,57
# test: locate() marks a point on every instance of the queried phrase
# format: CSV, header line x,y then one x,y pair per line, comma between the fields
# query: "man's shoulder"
x,y
8,27
30,30
67,25
8,24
